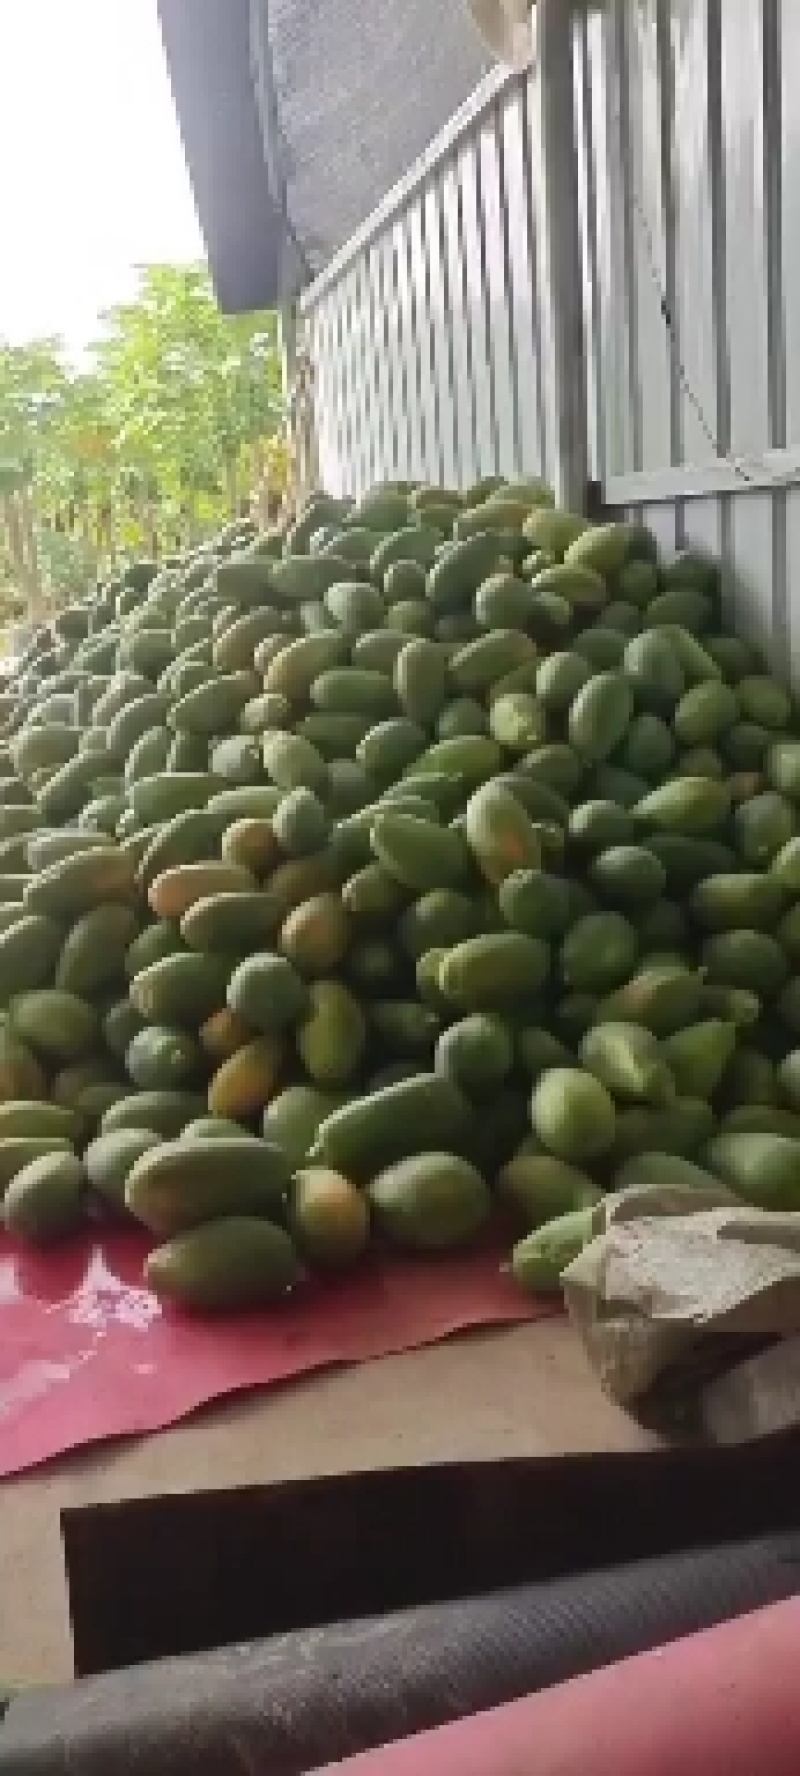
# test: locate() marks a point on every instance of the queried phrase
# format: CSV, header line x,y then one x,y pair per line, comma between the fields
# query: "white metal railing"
x,y
594,272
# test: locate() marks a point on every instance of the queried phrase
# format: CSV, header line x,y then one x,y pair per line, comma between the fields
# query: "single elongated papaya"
x,y
629,1061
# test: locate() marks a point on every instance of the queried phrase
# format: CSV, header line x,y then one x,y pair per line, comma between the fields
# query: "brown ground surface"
x,y
524,1391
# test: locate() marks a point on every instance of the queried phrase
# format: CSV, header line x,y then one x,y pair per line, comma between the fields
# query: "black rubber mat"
x,y
300,1700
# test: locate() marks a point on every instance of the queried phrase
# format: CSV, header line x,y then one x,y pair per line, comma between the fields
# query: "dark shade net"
x,y
297,116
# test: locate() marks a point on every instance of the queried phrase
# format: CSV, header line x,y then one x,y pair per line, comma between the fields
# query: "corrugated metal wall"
x,y
427,331
430,332
689,148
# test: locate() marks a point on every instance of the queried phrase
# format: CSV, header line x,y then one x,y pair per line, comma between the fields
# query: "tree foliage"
x,y
170,427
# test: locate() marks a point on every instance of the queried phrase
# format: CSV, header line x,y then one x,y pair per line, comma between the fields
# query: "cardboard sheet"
x,y
679,1287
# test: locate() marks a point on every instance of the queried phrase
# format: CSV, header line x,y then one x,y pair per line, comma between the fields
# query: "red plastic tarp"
x,y
722,1703
86,1352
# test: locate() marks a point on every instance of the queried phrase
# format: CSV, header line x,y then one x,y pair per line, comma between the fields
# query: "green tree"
x,y
192,396
157,442
33,391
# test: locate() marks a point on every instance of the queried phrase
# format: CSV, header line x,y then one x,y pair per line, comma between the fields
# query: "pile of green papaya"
x,y
415,874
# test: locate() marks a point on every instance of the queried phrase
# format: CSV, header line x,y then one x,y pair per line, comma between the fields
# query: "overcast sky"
x,y
92,172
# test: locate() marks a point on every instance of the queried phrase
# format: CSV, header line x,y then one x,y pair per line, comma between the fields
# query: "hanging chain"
x,y
736,464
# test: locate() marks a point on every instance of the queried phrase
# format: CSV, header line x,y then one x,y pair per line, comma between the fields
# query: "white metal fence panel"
x,y
439,333
425,331
688,139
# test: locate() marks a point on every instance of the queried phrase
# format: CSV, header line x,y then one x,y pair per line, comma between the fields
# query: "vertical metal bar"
x,y
485,179
358,387
403,457
344,388
647,237
311,333
409,349
485,306
318,321
426,448
666,84
434,308
627,223
417,422
494,237
617,450
475,305
366,366
332,298
287,336
469,351
776,336
719,241
789,46
356,375
389,458
744,138
699,324
372,379
331,409
352,384
587,200
459,331
520,278
562,252
719,278
447,204
773,219
513,451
